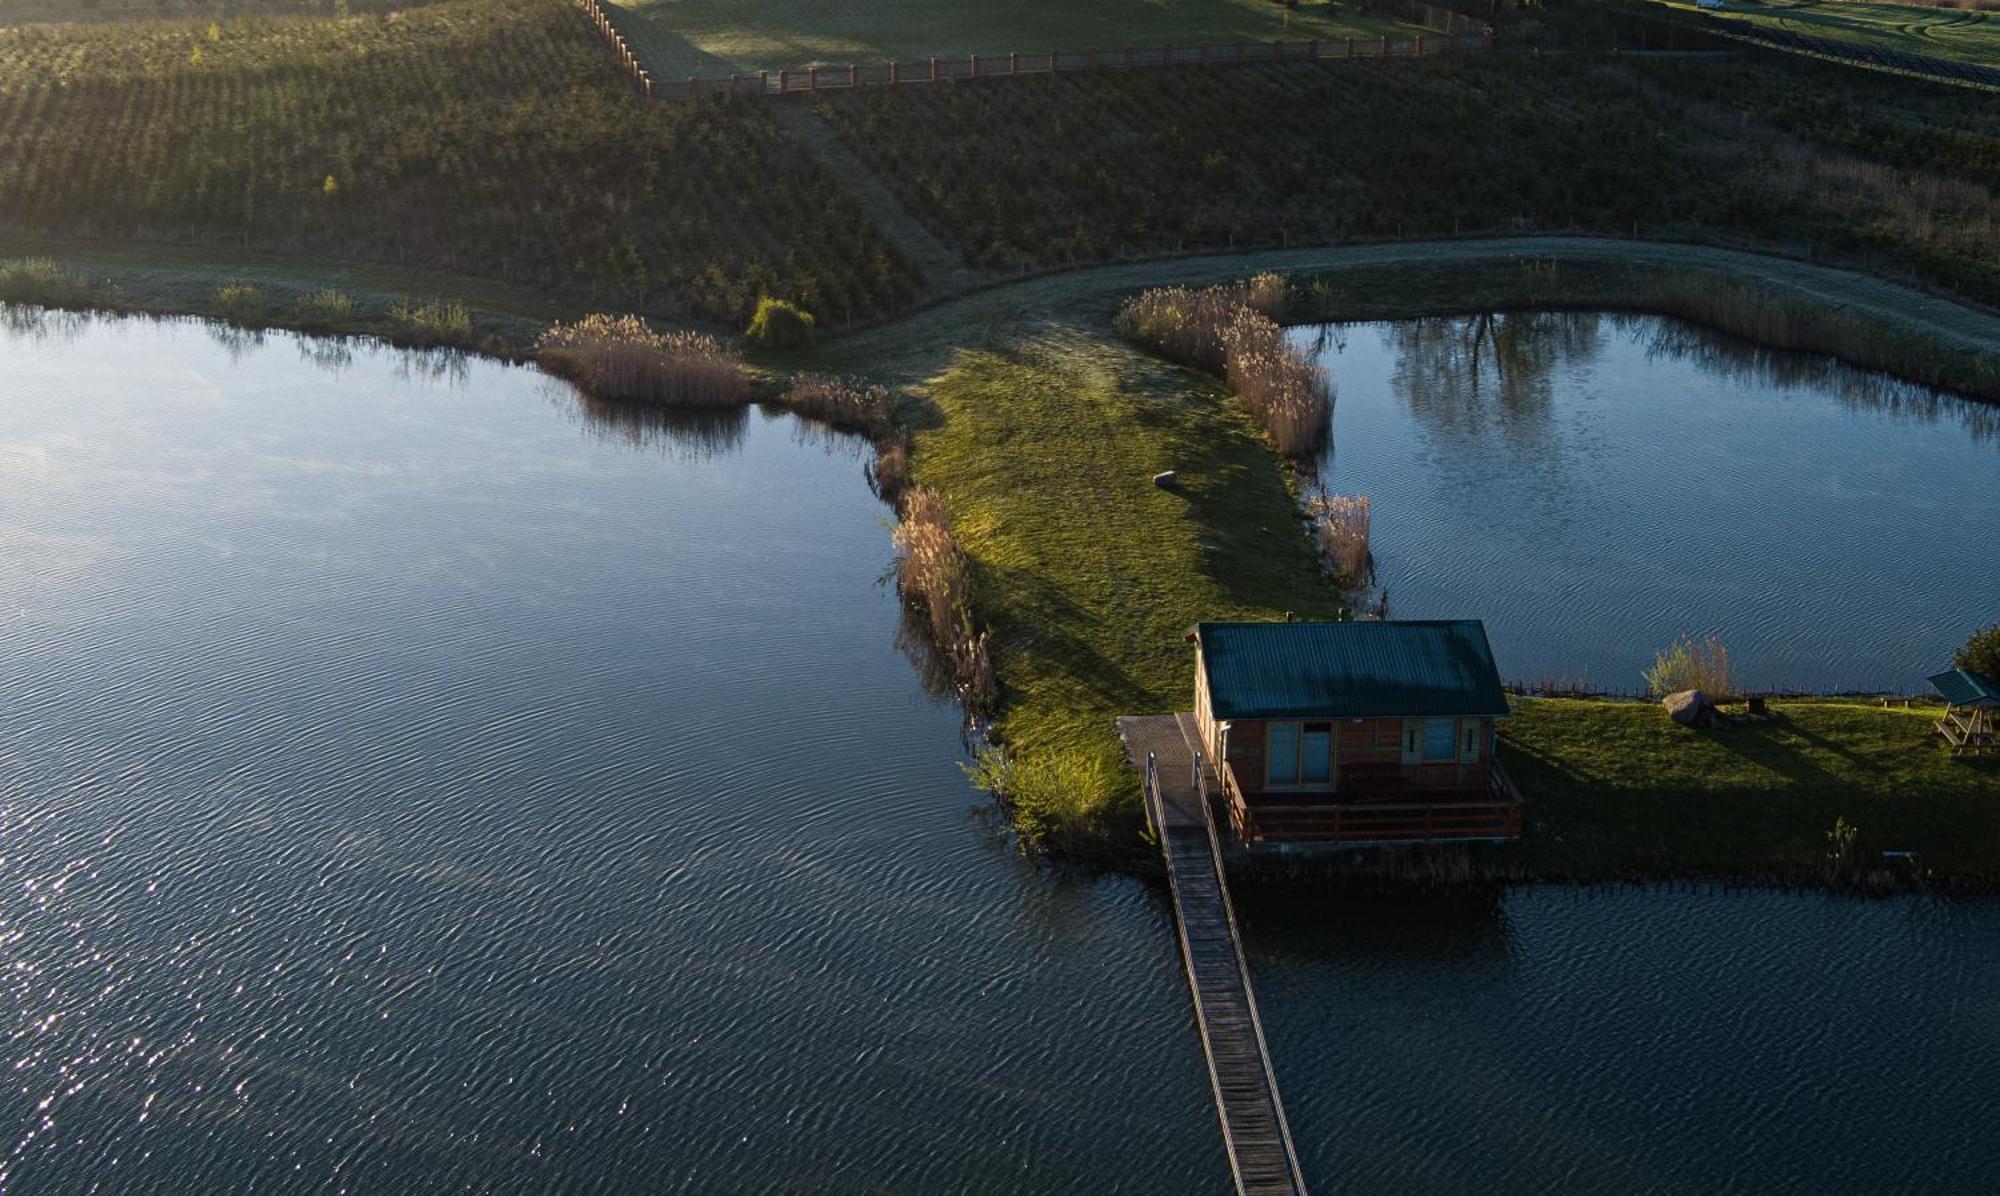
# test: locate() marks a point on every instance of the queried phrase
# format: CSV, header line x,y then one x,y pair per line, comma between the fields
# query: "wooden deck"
x,y
1254,1130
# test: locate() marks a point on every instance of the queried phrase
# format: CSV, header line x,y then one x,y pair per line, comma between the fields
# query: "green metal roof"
x,y
1963,687
1350,670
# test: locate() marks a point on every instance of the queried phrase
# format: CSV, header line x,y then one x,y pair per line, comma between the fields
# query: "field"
x,y
1964,34
480,137
1056,171
1619,790
678,38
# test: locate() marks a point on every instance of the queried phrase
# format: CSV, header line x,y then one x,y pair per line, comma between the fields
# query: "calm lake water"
x,y
1595,486
414,780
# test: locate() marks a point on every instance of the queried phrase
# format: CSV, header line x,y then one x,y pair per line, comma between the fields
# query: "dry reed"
x,y
1232,330
840,403
935,574
621,357
1340,526
1691,664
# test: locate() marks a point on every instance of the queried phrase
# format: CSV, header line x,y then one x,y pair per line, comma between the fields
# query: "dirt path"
x,y
945,273
1091,295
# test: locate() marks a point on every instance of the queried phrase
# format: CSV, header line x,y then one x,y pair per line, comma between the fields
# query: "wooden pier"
x,y
1178,781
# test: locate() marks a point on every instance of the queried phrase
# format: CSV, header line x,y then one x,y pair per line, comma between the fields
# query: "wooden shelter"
x,y
1971,700
1355,732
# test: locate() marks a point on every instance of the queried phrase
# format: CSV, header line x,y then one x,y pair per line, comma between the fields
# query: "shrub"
x,y
780,324
1981,653
40,281
851,406
1691,664
327,307
1229,330
240,303
935,575
621,357
1340,525
1056,798
890,475
436,322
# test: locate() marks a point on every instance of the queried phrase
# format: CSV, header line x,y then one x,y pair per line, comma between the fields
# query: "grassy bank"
x,y
1089,575
1618,790
490,138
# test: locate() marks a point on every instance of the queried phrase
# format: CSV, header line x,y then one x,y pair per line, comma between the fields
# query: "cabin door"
x,y
1316,754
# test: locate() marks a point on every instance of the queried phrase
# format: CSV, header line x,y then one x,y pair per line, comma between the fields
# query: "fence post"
x,y
934,74
694,87
1013,62
735,85
853,75
1385,45
1350,47
972,66
895,73
784,81
763,82
1312,49
1055,61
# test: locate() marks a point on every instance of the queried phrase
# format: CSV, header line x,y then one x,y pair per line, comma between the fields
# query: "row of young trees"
x,y
485,137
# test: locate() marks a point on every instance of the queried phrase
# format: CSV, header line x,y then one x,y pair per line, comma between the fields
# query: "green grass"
x,y
493,138
1087,574
678,38
1618,790
1912,29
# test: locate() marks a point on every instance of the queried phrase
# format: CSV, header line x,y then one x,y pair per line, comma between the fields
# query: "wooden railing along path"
x,y
944,69
1254,1129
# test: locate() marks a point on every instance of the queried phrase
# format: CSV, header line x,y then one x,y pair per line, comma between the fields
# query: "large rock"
x,y
1691,708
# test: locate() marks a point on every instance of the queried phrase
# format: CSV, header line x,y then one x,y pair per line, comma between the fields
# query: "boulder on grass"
x,y
1691,708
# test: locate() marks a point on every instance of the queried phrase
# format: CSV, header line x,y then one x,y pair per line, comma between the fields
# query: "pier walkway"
x,y
1178,781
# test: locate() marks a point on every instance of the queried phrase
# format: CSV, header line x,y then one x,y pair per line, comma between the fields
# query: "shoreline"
x,y
1061,322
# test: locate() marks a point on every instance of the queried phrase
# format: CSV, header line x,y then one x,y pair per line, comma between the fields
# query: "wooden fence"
x,y
993,66
989,66
641,77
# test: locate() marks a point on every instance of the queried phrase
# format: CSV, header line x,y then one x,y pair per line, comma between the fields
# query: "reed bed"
x,y
934,574
1232,330
41,281
1340,527
622,357
842,403
1691,664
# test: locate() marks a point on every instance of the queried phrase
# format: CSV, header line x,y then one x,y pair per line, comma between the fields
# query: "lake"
x,y
415,778
1595,486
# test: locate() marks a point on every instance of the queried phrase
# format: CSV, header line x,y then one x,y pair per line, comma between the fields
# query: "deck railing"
x,y
1497,815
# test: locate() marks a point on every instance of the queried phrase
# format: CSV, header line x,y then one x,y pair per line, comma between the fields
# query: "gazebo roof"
x,y
1963,687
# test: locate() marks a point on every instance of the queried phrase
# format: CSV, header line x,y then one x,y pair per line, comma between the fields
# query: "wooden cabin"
x,y
1972,711
1355,733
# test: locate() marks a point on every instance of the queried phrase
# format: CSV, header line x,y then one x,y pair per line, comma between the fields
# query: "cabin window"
x,y
1298,753
1440,739
1471,743
1281,753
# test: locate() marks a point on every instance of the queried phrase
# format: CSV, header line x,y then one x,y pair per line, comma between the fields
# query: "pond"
x,y
1595,486
415,778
